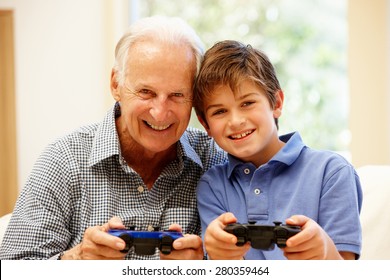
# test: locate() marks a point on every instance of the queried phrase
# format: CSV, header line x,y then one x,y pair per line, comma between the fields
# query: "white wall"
x,y
64,52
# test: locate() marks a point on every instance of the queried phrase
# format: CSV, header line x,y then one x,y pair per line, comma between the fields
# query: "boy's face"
x,y
242,122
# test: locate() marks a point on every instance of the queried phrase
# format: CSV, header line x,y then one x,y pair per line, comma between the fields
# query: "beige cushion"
x,y
375,214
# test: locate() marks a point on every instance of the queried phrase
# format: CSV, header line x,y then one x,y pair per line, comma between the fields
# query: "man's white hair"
x,y
172,30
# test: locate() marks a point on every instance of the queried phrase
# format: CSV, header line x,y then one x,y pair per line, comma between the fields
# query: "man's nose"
x,y
159,108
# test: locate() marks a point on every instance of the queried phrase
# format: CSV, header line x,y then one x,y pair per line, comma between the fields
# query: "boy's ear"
x,y
115,92
278,104
204,124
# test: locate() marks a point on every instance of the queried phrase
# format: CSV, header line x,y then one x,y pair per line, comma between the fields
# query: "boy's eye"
x,y
247,103
218,112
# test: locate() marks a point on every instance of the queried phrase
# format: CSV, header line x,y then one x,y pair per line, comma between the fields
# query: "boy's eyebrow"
x,y
213,106
247,95
239,98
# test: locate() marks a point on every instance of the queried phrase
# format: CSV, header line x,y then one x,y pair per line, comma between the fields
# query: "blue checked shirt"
x,y
81,180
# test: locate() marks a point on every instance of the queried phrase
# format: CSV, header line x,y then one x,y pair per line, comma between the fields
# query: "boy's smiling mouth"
x,y
241,135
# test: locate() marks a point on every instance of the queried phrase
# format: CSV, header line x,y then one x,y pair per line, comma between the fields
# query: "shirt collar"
x,y
291,151
186,151
287,155
106,141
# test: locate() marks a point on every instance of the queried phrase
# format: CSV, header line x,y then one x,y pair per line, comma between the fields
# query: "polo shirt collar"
x,y
291,151
287,155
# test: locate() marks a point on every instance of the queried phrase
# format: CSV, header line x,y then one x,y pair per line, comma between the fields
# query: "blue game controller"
x,y
146,242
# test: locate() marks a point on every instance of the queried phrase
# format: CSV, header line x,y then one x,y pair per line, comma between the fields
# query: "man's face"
x,y
156,98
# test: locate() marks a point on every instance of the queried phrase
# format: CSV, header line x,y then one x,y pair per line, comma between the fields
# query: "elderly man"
x,y
138,167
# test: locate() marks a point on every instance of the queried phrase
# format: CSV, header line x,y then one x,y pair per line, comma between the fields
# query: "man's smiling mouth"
x,y
241,135
157,127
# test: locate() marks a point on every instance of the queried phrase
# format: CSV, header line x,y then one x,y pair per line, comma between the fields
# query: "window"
x,y
305,40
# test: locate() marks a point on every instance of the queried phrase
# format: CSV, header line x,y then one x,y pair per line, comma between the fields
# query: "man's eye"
x,y
180,97
177,94
145,93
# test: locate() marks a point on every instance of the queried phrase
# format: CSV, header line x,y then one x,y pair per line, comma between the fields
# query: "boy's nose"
x,y
237,120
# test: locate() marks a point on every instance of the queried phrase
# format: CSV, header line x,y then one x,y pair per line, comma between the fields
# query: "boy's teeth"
x,y
241,135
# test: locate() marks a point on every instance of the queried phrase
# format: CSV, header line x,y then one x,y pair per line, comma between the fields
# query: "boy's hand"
x,y
312,243
221,245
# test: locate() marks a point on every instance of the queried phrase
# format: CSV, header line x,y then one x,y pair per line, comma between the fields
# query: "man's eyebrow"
x,y
151,87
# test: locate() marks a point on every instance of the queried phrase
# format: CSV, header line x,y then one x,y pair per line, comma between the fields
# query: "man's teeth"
x,y
158,127
241,135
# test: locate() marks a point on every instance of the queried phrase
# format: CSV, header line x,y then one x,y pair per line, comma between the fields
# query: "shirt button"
x,y
140,189
247,171
257,191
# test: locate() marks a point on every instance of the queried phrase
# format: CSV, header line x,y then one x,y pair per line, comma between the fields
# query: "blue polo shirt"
x,y
296,181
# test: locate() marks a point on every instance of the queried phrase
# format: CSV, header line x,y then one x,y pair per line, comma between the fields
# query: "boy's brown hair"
x,y
230,62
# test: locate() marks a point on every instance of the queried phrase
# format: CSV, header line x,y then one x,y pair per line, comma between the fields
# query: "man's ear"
x,y
115,92
278,104
204,124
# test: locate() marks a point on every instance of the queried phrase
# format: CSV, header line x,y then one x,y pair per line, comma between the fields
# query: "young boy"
x,y
268,178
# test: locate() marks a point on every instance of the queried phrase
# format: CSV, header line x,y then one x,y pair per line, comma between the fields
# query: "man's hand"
x,y
312,243
97,244
188,247
221,245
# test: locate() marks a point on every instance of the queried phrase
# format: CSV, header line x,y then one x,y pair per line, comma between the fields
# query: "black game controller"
x,y
146,242
262,237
